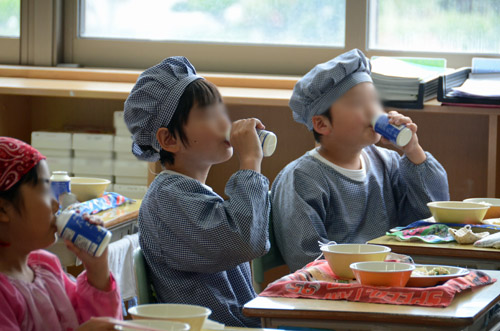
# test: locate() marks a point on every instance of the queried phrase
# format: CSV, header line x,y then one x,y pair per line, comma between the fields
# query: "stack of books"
x,y
406,82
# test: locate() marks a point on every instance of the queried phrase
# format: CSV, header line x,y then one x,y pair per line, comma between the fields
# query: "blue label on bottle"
x,y
83,234
59,188
387,130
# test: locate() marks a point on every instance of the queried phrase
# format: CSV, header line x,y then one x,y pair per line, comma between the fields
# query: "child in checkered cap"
x,y
348,190
197,245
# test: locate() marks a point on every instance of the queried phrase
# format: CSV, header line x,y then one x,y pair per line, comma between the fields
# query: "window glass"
x,y
462,26
275,22
10,18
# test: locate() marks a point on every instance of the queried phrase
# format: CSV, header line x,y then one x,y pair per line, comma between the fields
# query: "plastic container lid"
x,y
269,144
404,137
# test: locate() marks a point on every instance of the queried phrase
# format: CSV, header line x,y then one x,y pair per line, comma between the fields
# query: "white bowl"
x,y
87,188
159,324
193,315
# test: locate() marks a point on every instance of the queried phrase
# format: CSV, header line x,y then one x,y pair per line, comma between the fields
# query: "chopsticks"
x,y
131,325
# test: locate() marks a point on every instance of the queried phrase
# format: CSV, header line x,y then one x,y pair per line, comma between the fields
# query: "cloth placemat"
x,y
317,281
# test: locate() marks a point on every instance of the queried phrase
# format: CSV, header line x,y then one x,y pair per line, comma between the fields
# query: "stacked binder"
x,y
406,82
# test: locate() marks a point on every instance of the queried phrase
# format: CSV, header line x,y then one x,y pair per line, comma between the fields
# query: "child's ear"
x,y
322,125
167,140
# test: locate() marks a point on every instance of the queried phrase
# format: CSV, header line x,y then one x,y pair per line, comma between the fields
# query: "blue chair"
x,y
145,290
268,261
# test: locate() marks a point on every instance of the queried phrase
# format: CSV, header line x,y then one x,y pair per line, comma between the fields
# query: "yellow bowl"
x,y
86,188
379,273
457,211
341,256
158,324
494,211
193,315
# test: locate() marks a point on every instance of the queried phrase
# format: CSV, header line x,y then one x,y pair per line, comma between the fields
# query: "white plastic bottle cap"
x,y
404,137
269,144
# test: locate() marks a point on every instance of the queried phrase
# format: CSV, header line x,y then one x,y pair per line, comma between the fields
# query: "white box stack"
x,y
123,148
131,174
56,146
93,155
119,124
131,191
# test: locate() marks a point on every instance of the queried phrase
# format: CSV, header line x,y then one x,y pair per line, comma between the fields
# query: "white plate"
x,y
491,221
427,281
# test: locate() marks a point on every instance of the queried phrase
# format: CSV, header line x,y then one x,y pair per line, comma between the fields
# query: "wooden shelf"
x,y
113,84
120,91
464,139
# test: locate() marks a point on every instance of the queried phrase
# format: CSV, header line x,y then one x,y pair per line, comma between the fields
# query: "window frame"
x,y
56,41
10,50
208,57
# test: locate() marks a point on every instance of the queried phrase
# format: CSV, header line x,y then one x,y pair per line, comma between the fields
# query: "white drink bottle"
x,y
268,141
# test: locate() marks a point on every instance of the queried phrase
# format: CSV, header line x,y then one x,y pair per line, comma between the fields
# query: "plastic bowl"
x,y
159,324
341,256
392,274
86,188
494,211
458,211
193,315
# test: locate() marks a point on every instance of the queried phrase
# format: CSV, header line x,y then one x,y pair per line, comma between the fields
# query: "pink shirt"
x,y
53,301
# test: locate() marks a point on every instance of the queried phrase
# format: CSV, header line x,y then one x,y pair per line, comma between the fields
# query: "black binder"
x,y
457,78
426,91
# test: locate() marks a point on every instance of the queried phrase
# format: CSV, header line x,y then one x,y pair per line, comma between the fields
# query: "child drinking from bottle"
x,y
35,293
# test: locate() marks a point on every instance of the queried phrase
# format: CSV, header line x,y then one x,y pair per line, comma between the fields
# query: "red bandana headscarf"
x,y
16,159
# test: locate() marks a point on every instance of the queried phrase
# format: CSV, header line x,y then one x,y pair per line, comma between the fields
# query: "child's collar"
x,y
172,172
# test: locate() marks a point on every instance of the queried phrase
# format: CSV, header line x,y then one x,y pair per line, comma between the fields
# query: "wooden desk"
x,y
468,310
122,214
447,253
121,221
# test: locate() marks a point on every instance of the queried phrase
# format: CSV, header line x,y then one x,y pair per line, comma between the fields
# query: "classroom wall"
x,y
458,141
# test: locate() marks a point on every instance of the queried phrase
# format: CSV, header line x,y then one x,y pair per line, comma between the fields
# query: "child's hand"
x,y
413,150
246,143
99,323
97,267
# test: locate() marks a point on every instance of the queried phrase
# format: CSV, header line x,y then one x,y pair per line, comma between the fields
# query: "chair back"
x,y
270,260
144,286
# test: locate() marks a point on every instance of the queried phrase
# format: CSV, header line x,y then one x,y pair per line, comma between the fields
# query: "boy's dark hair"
x,y
200,93
13,195
318,136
